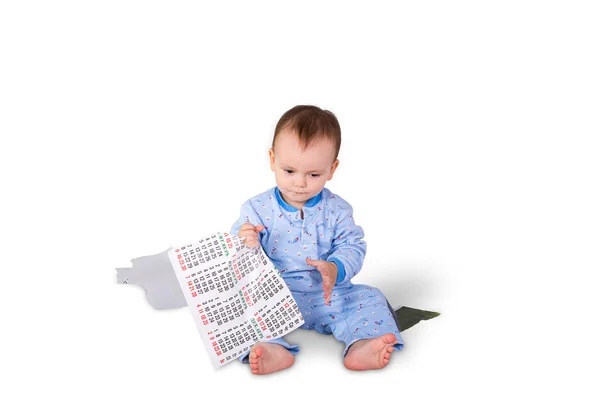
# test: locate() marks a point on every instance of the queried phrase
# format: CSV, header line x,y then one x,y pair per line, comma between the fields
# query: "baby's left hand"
x,y
328,272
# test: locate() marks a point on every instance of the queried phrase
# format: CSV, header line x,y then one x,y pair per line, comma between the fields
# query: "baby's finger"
x,y
245,236
318,264
246,230
328,298
251,240
314,264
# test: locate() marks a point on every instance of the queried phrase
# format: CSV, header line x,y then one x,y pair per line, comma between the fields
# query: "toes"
x,y
259,351
389,338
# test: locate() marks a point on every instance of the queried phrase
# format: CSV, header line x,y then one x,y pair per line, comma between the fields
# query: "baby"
x,y
310,236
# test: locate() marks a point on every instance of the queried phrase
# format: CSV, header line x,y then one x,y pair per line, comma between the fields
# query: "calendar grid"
x,y
235,293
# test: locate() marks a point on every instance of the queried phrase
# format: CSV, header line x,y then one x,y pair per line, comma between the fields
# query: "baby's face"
x,y
301,175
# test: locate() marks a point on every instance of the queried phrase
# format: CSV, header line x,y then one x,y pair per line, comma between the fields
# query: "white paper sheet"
x,y
235,294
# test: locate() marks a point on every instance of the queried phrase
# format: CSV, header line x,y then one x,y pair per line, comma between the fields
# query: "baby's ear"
x,y
272,159
333,168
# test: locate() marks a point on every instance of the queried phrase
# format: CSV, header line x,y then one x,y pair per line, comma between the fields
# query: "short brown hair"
x,y
310,123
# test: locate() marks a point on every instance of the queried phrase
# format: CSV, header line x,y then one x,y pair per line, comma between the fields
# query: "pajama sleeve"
x,y
348,247
248,214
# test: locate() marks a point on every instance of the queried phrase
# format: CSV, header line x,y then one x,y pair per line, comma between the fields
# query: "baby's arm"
x,y
348,247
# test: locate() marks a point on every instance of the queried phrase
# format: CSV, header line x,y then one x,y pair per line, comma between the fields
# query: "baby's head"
x,y
304,153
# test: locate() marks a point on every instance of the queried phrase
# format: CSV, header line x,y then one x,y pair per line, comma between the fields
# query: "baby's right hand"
x,y
250,234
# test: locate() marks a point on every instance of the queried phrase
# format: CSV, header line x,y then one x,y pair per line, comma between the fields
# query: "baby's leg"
x,y
266,358
368,326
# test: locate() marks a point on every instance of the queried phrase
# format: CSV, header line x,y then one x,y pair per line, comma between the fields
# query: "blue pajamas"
x,y
327,232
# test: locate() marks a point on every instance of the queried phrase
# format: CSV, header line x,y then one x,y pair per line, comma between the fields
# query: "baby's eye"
x,y
315,175
289,171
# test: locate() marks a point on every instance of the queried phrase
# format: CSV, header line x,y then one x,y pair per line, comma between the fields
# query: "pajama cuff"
x,y
341,271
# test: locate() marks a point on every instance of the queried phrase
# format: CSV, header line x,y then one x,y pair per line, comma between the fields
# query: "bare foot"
x,y
266,358
370,353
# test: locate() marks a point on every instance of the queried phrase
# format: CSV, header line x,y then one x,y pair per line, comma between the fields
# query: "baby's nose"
x,y
300,182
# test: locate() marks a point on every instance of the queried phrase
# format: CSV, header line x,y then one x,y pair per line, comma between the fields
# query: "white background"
x,y
470,155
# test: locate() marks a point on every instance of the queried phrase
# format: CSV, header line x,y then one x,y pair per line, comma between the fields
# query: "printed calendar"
x,y
236,295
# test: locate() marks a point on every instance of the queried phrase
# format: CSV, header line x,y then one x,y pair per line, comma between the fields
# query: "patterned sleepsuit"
x,y
327,232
